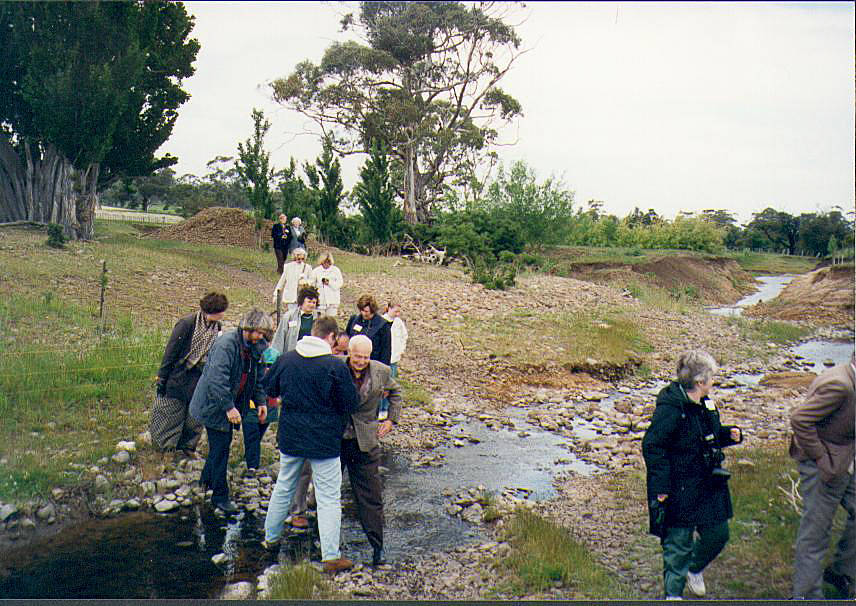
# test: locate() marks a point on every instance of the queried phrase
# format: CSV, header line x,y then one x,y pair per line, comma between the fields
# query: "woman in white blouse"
x,y
328,280
295,273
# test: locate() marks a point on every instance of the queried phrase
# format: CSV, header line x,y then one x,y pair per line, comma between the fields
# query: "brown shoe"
x,y
299,522
334,566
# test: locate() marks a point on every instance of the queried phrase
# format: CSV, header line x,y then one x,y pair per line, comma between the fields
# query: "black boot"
x,y
378,556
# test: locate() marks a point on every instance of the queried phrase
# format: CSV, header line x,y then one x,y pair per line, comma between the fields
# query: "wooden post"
x,y
103,288
278,305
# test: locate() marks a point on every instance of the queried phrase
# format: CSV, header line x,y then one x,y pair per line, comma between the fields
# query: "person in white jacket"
x,y
295,273
327,278
399,344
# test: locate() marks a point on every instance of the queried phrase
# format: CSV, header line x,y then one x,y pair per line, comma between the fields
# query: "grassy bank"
x,y
770,264
545,556
300,582
563,338
68,392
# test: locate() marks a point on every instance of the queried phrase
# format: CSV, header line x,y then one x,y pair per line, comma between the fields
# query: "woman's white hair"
x,y
298,251
324,257
296,220
694,367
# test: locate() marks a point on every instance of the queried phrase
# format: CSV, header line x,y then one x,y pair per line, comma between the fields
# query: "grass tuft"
x,y
545,554
300,582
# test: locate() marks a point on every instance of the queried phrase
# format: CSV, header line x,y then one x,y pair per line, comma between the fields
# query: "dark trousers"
x,y
368,492
214,472
280,259
253,434
682,553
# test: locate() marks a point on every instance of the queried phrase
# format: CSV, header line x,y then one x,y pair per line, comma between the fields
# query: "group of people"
x,y
333,393
287,238
688,497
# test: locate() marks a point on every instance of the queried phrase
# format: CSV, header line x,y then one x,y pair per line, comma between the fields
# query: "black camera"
x,y
713,458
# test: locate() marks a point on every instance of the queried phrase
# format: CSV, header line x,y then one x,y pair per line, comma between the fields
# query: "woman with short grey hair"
x,y
295,274
687,485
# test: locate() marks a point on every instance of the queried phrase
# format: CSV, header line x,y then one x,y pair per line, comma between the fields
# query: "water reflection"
x,y
770,288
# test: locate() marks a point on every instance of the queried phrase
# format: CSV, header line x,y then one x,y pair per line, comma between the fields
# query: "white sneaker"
x,y
695,581
382,415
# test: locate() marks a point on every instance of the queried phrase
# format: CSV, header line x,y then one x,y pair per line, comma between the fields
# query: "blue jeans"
x,y
327,476
384,404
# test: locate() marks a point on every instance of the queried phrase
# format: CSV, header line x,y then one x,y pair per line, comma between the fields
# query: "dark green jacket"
x,y
673,448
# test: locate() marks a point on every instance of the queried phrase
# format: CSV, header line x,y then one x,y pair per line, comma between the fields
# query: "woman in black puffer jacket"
x,y
686,480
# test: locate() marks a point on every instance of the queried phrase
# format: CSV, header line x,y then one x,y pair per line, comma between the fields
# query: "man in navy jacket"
x,y
317,396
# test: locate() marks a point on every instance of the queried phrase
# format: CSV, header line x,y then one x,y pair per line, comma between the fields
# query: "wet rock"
x,y
219,558
46,512
166,506
126,446
148,488
27,524
473,513
453,509
7,511
746,463
238,591
131,505
122,457
167,484
184,491
57,493
102,484
829,363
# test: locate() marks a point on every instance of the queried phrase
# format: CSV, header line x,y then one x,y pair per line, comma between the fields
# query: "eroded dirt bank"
x,y
824,296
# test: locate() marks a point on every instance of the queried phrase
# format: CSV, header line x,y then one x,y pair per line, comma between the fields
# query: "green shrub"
x,y
56,237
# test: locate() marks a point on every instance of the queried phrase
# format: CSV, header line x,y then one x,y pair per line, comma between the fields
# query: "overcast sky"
x,y
659,105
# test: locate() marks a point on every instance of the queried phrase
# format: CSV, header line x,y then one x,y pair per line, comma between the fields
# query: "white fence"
x,y
120,214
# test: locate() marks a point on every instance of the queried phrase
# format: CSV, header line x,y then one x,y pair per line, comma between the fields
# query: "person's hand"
x,y
262,413
384,428
662,497
234,416
735,434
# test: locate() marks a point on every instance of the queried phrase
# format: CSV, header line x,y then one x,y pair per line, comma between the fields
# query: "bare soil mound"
x,y
215,225
717,280
788,379
824,296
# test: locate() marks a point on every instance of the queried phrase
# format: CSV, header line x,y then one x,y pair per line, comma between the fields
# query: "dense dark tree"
x,y
376,197
424,82
816,230
780,228
254,170
88,92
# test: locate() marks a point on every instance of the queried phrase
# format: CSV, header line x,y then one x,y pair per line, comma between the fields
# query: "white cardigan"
x,y
292,273
399,339
328,293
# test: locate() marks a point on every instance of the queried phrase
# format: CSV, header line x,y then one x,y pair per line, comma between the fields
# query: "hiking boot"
x,y
695,582
841,582
299,522
271,545
334,566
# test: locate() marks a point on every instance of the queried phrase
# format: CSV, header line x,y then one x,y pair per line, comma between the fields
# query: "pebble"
x,y
101,483
165,506
46,512
7,511
126,446
122,457
219,558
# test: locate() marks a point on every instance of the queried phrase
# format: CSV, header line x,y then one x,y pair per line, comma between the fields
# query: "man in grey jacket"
x,y
824,444
360,443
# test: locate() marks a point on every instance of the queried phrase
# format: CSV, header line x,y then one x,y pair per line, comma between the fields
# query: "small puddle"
x,y
770,288
818,352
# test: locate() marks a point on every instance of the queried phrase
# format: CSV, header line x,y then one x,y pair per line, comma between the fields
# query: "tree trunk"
x,y
410,214
41,185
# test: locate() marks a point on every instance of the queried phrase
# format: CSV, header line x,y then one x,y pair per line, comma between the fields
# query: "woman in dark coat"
x,y
172,428
373,325
686,480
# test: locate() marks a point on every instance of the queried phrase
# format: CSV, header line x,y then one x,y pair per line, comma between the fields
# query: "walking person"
x,y
377,328
294,327
398,331
317,395
172,427
823,445
295,274
685,477
361,441
327,278
280,233
297,235
230,382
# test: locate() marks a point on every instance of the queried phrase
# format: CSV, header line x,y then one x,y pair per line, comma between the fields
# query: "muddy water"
x,y
146,555
770,288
